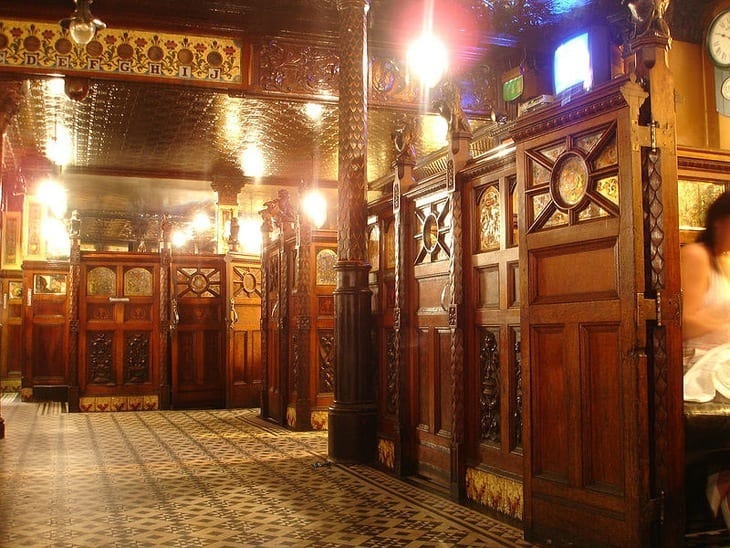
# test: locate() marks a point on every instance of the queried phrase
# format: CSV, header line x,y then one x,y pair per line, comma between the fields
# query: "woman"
x,y
705,267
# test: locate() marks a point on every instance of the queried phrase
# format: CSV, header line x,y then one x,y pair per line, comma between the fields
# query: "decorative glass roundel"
x,y
570,180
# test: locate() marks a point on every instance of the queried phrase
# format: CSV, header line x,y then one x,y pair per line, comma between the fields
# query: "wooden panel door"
x,y
492,366
119,330
429,390
244,375
45,325
274,390
198,350
11,325
588,384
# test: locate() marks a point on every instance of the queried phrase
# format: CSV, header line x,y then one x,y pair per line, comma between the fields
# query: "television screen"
x,y
572,64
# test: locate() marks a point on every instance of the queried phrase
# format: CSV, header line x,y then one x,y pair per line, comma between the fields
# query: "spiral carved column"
x,y
353,414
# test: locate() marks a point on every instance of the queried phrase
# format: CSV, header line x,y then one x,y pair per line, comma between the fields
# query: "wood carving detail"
x,y
296,68
100,364
489,399
136,357
326,361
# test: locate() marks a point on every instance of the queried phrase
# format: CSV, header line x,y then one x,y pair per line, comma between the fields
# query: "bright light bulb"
x,y
314,111
179,238
58,149
252,162
53,196
201,222
82,31
314,206
428,59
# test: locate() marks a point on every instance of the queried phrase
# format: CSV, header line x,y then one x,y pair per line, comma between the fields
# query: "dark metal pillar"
x,y
353,415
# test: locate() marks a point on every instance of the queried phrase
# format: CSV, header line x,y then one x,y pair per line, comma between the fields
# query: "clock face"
x,y
725,89
718,39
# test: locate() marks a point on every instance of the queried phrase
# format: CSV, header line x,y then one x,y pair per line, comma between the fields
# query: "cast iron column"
x,y
353,414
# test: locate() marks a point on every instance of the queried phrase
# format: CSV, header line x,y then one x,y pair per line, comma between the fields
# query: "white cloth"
x,y
709,374
709,365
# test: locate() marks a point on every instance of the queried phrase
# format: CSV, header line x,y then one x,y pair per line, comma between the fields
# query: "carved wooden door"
x,y
429,393
594,381
11,329
119,332
45,326
198,350
273,404
244,334
492,366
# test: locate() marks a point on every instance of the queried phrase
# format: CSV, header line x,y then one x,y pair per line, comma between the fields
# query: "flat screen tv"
x,y
582,61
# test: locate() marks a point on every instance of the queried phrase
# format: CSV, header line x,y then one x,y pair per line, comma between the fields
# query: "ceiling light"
x,y
314,111
82,26
252,162
428,59
314,205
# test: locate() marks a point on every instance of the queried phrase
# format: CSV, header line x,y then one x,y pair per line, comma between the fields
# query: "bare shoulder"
x,y
695,253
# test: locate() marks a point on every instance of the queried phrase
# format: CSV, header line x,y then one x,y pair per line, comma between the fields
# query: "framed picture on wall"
x,y
11,252
694,199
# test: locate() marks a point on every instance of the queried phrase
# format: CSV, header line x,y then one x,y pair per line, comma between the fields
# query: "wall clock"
x,y
718,49
718,39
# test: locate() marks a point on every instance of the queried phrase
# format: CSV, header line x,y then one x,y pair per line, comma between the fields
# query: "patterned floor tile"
x,y
206,478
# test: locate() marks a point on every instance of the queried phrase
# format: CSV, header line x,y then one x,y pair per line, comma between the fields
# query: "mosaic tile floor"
x,y
206,478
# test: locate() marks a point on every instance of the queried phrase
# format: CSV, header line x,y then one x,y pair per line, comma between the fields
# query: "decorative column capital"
x,y
227,185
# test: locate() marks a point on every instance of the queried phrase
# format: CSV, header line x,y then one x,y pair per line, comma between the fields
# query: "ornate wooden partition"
x,y
492,360
11,334
457,424
594,378
119,345
244,376
45,326
199,319
297,318
312,342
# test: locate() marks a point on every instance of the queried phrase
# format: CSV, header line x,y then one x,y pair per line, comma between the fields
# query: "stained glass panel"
x,y
490,225
326,260
138,282
608,156
608,188
101,281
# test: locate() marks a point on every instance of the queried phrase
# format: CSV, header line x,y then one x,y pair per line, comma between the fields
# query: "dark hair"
x,y
718,210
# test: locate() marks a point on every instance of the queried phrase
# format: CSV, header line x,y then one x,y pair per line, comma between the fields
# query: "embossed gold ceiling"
x,y
140,146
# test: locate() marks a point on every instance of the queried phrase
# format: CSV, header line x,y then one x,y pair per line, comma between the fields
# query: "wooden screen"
x,y
11,325
244,377
45,326
493,368
199,339
428,360
119,332
578,264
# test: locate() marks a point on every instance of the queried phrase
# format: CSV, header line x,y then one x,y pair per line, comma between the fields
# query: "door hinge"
x,y
656,506
664,309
